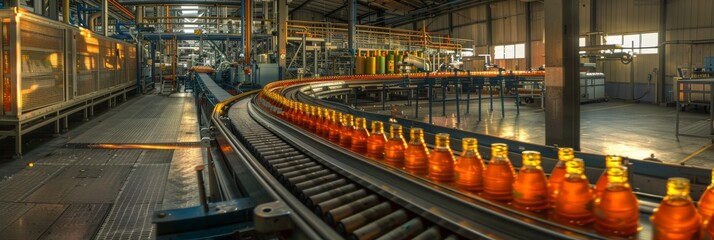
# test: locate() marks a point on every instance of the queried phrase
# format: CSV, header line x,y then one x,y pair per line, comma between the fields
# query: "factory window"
x,y
510,51
645,43
581,43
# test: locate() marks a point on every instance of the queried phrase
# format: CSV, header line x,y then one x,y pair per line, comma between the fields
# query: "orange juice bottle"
x,y
290,111
574,203
305,118
530,190
346,131
376,141
469,168
441,160
416,156
297,115
499,175
610,162
676,217
359,136
706,202
617,211
558,173
326,122
315,119
319,124
395,147
335,127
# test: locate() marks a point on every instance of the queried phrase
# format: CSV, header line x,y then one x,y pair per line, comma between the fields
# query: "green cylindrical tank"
x,y
397,61
390,63
359,65
371,65
381,64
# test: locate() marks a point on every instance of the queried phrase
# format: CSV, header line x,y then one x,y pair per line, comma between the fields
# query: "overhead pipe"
x,y
93,18
122,9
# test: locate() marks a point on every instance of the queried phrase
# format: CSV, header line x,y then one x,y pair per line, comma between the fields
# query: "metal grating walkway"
x,y
72,191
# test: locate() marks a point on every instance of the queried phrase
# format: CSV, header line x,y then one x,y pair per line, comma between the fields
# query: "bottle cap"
x,y
377,127
531,158
678,186
613,161
499,150
575,167
442,140
565,154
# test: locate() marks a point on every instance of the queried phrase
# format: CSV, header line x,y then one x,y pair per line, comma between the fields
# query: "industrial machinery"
x,y
41,87
592,87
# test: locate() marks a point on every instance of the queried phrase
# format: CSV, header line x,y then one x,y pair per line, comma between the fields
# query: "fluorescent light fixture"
x,y
189,7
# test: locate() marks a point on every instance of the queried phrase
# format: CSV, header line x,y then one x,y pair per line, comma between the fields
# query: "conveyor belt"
x,y
361,200
353,211
355,197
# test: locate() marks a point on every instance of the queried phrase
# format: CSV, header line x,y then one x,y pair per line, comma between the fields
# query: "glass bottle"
x,y
291,111
346,131
499,175
315,119
305,118
376,141
611,161
297,118
441,160
326,122
416,156
335,127
706,202
676,217
530,190
359,136
574,203
617,211
395,147
558,173
469,168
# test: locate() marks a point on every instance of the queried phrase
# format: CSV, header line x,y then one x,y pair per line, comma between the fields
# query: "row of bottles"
x,y
566,196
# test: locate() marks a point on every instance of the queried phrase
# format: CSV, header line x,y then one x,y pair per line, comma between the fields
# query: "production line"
x,y
358,120
276,132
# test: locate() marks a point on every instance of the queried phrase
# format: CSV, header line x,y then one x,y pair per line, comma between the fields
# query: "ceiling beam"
x,y
336,10
300,6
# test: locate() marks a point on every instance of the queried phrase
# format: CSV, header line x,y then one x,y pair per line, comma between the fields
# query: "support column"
x,y
139,16
105,18
352,32
248,31
528,47
450,19
660,92
489,29
282,35
562,83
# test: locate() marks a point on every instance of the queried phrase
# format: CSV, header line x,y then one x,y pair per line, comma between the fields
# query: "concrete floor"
x,y
630,129
67,189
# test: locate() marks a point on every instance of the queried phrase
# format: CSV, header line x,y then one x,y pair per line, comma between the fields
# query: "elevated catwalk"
x,y
86,184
